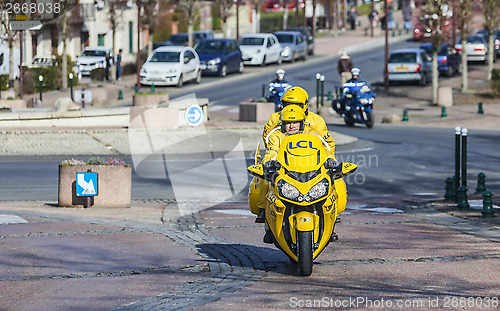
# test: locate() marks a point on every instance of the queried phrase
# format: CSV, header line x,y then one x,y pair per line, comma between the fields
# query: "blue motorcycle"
x,y
355,105
276,90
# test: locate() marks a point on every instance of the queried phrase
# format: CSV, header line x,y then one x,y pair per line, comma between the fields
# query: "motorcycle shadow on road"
x,y
244,259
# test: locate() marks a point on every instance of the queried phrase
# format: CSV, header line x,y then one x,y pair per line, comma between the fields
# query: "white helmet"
x,y
280,73
355,71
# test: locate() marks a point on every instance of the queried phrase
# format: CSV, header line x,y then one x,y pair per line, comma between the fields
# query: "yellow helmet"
x,y
297,96
292,113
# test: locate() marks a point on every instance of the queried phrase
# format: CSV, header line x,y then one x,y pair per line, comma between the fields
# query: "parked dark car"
x,y
219,56
307,32
181,39
449,60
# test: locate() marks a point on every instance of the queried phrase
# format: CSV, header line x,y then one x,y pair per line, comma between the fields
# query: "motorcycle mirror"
x,y
256,170
348,168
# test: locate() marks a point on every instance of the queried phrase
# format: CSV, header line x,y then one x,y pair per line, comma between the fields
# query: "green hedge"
x,y
52,77
495,81
4,82
273,21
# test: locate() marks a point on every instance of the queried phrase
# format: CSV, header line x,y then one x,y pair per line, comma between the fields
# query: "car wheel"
x,y
241,68
263,61
280,60
223,71
423,79
181,81
449,71
198,77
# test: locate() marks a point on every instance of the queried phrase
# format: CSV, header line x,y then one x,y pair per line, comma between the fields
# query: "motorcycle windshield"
x,y
302,153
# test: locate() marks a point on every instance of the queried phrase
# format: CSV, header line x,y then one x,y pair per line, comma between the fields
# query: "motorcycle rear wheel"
x,y
305,252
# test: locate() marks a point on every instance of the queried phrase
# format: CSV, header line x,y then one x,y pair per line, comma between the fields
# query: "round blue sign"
x,y
194,115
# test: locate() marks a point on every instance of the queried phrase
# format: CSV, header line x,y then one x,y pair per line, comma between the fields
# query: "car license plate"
x,y
401,68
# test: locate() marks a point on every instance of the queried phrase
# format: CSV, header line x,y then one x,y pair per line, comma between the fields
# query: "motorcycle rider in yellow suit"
x,y
295,96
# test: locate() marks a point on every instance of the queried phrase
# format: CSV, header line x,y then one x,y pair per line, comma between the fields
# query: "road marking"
x,y
11,219
241,212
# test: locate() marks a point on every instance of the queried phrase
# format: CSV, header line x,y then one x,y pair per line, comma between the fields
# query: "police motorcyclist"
x,y
296,96
276,85
352,85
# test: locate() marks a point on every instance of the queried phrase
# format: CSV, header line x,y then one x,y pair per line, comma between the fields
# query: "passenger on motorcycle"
x,y
292,96
277,88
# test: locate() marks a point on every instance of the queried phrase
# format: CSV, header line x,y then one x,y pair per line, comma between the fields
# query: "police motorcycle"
x,y
355,104
276,89
305,196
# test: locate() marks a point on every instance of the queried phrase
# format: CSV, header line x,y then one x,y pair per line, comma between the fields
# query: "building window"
x,y
130,37
100,39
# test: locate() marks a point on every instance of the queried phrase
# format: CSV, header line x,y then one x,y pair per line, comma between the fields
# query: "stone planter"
x,y
114,185
150,99
255,111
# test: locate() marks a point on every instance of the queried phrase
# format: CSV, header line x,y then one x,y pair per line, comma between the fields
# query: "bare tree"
x,y
464,13
437,12
64,21
149,19
256,8
491,19
190,9
10,36
225,6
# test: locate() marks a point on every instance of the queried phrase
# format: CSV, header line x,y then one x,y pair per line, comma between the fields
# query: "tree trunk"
x,y
285,16
435,77
491,55
465,85
190,34
64,65
11,63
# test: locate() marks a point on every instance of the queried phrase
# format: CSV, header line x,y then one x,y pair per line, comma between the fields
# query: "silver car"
x,y
294,45
476,48
410,65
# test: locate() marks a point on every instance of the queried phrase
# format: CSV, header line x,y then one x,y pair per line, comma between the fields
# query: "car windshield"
x,y
282,38
165,57
403,58
178,40
475,40
252,41
209,47
94,53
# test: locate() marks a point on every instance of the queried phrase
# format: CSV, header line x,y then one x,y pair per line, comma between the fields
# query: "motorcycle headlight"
x,y
319,190
288,191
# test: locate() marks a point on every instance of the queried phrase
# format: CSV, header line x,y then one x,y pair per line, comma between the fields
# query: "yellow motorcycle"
x,y
306,194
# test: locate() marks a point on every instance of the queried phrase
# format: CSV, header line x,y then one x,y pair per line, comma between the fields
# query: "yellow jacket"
x,y
313,121
275,138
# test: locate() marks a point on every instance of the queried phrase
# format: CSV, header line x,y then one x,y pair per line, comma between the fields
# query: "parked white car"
x,y
92,58
260,49
294,45
171,65
476,48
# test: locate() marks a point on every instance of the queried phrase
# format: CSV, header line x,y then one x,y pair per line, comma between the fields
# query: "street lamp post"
x,y
71,86
237,19
40,79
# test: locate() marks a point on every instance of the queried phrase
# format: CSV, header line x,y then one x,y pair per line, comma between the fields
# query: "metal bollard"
x,y
480,108
83,98
318,77
488,210
457,160
463,200
443,112
464,157
450,190
264,90
120,94
152,88
329,96
136,87
481,183
322,89
405,115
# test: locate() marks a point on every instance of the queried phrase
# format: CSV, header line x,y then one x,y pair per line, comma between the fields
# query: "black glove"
x,y
272,165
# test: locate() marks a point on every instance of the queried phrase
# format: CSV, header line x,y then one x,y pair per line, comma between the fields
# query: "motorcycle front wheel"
x,y
305,252
368,116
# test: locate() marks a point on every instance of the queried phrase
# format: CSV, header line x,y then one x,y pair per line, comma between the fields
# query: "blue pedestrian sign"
x,y
194,115
86,184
